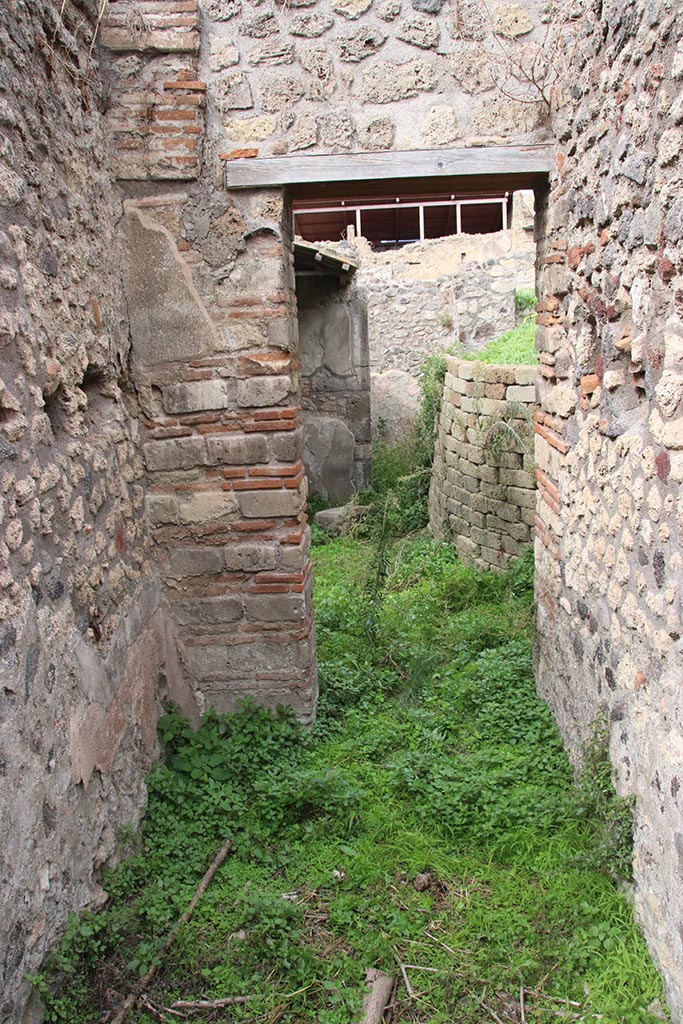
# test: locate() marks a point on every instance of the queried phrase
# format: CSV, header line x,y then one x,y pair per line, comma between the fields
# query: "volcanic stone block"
x,y
270,504
262,391
196,396
175,453
206,506
237,449
275,607
388,81
208,611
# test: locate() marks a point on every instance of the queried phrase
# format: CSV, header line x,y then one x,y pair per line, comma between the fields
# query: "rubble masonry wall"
x,y
456,291
610,433
87,646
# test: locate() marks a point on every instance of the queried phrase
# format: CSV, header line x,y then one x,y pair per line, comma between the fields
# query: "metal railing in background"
x,y
358,209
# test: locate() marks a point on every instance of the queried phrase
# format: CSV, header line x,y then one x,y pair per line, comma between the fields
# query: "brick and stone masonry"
x,y
152,533
223,449
482,492
214,362
156,104
609,434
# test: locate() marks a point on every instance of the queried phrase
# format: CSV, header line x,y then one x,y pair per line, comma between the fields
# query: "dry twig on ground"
x,y
139,989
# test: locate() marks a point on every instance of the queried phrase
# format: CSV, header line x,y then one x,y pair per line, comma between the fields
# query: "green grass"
x,y
517,346
432,755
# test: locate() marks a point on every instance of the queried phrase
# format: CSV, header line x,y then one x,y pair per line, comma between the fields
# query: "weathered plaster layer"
x,y
333,337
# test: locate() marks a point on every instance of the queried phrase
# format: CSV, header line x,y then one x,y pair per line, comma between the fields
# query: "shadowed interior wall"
x,y
333,337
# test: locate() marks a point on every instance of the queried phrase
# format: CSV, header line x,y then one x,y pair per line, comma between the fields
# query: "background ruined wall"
x,y
442,292
86,643
454,293
610,432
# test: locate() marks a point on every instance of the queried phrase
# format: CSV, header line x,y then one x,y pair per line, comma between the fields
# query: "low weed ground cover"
x,y
428,820
517,346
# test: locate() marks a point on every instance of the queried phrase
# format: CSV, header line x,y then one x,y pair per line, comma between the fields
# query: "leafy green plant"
x,y
608,815
398,501
515,347
525,303
432,756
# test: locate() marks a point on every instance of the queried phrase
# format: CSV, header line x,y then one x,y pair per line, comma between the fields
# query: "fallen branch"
x,y
156,1011
522,1011
391,1005
132,999
555,999
409,987
375,1002
207,1004
493,1013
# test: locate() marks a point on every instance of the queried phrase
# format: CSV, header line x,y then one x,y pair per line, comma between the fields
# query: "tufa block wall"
x,y
610,434
482,490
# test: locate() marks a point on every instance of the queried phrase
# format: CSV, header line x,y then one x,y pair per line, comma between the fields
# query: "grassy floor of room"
x,y
427,825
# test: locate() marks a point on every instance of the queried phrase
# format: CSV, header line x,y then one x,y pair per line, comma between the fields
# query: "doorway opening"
x,y
384,282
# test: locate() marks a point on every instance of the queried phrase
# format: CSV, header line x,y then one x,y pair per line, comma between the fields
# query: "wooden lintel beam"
x,y
270,172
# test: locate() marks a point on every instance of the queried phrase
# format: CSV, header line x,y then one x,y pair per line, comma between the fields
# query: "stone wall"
x,y
351,75
87,646
458,290
610,433
482,492
333,343
215,367
210,291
